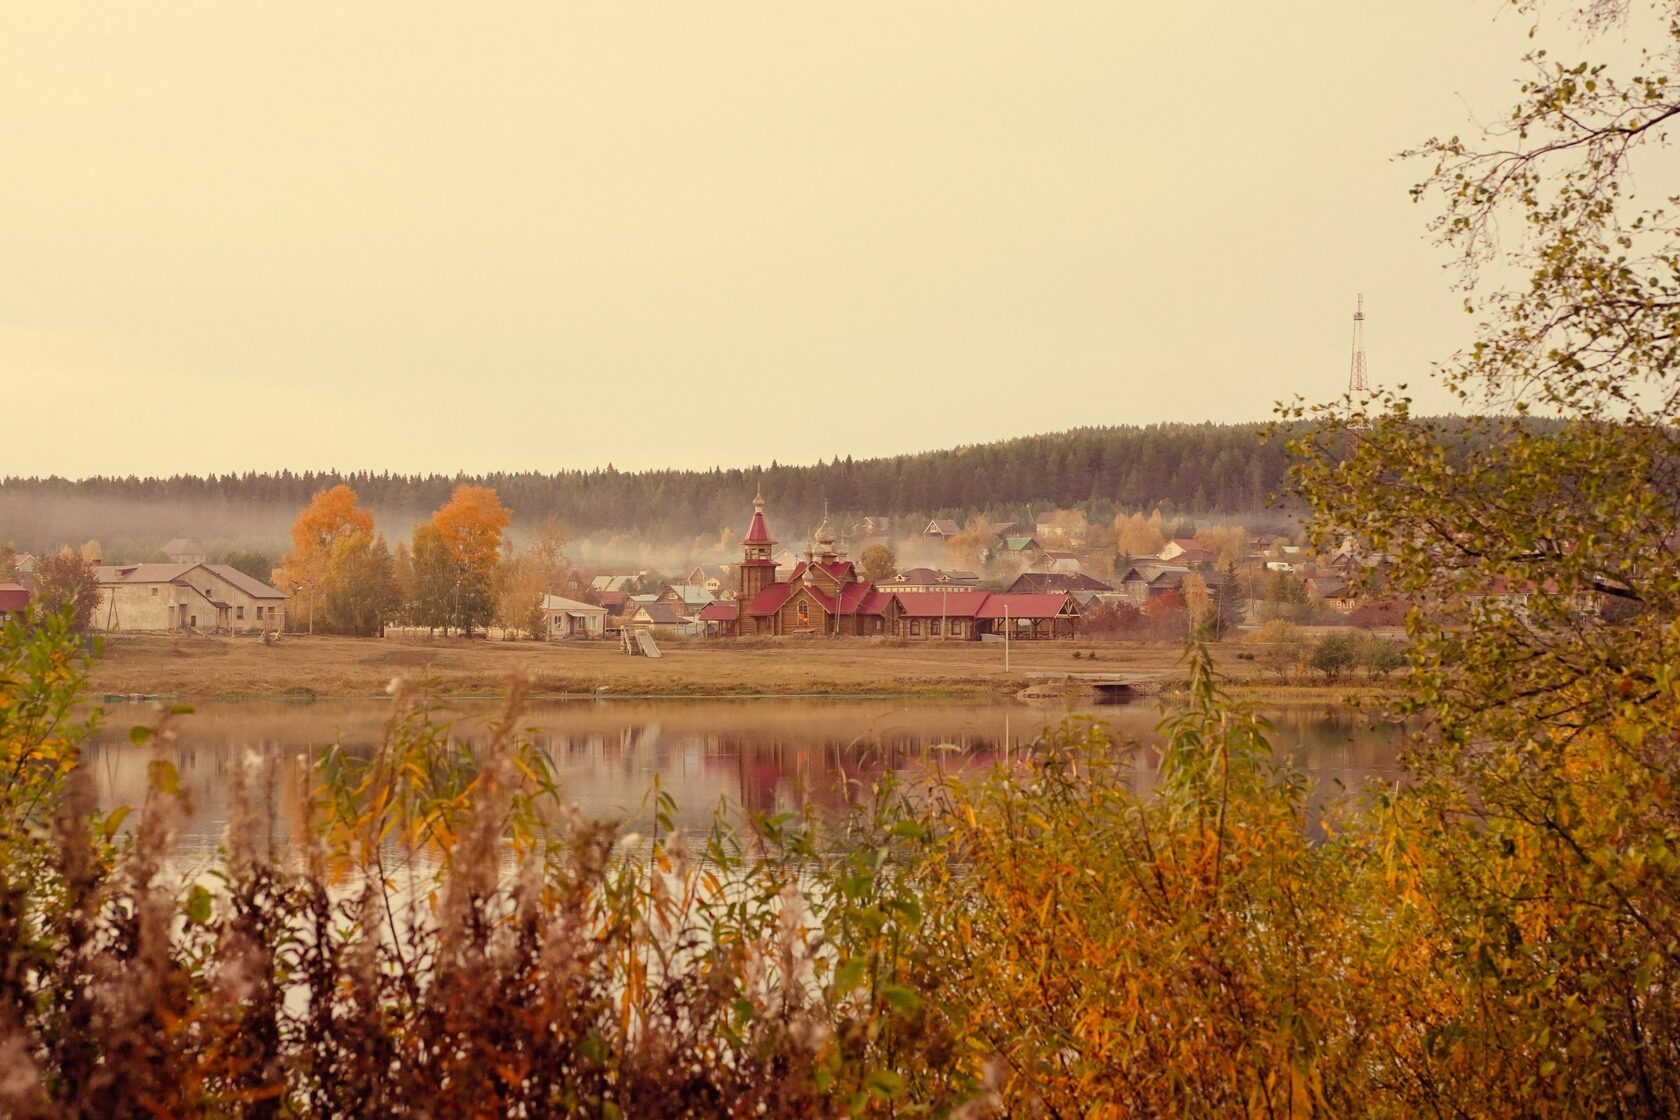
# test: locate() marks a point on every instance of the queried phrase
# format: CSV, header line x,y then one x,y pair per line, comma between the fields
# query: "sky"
x,y
541,236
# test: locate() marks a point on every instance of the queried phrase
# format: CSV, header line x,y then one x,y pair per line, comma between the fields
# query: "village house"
x,y
14,601
185,550
1143,582
658,617
710,576
1185,552
1061,527
1331,591
1026,550
1055,560
213,598
1056,583
570,618
941,528
686,598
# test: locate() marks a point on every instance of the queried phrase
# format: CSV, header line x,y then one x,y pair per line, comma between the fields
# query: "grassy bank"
x,y
205,667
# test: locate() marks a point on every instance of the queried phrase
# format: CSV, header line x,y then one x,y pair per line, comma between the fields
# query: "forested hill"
x,y
1194,468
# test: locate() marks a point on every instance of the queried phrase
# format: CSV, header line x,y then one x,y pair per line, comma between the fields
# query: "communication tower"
x,y
1357,384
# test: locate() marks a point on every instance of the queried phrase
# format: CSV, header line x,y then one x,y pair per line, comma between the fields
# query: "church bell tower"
x,y
758,567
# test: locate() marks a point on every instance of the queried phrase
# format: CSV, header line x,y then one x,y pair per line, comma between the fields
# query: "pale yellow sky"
x,y
538,236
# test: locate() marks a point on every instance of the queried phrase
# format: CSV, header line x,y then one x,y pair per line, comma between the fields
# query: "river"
x,y
766,755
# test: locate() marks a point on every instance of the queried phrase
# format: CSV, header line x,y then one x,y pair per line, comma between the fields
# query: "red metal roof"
x,y
13,597
719,612
941,604
757,532
874,602
1023,606
770,600
841,570
852,597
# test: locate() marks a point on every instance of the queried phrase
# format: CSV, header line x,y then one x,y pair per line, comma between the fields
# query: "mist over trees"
x,y
1209,469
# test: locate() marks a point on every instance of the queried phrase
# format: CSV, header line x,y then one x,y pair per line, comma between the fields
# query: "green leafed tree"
x,y
434,575
1561,495
1536,547
254,562
359,591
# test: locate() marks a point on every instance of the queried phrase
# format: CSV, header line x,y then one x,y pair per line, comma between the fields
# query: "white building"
x,y
209,597
569,618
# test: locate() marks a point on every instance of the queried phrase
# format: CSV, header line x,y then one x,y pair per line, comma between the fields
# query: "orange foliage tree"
x,y
471,525
331,518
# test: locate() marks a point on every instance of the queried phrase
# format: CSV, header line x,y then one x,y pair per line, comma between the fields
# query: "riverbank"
x,y
197,667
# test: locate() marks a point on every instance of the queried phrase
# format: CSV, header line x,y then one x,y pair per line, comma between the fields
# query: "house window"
x,y
880,624
239,613
933,627
804,612
956,629
915,627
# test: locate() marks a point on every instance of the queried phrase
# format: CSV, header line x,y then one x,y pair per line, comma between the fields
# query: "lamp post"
x,y
311,585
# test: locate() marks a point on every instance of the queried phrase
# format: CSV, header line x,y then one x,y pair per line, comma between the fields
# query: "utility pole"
x,y
1007,627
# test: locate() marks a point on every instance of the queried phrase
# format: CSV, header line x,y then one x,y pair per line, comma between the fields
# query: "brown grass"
x,y
205,667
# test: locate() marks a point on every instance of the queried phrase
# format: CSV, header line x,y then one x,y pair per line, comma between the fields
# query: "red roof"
x,y
875,602
757,533
719,612
841,570
852,597
1023,606
770,600
13,597
941,604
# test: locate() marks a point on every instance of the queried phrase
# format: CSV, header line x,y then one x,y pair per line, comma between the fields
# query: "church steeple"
x,y
825,539
757,533
758,567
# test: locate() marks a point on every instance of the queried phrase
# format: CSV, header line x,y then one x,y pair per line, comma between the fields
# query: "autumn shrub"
x,y
446,939
1089,929
1185,951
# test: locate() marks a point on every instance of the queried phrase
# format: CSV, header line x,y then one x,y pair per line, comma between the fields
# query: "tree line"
x,y
1200,468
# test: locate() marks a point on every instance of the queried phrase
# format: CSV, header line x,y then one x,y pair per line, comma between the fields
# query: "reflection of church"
x,y
825,593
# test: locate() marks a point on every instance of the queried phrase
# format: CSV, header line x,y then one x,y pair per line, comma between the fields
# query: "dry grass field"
x,y
206,667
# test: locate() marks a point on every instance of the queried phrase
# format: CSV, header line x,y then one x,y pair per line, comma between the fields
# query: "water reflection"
x,y
763,755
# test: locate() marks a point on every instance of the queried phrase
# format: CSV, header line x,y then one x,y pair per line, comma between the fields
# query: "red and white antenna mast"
x,y
1357,384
